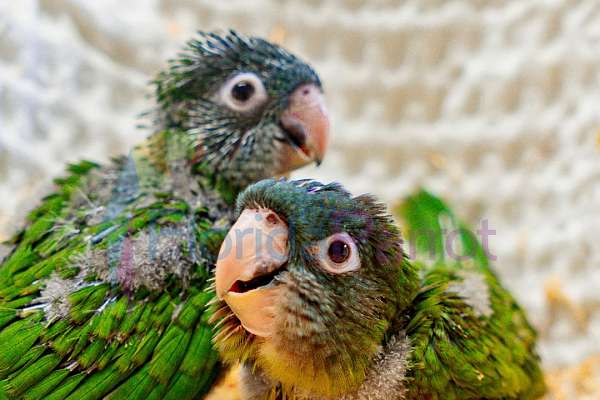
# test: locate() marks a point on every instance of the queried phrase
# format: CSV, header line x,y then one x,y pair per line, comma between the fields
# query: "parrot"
x,y
103,292
317,299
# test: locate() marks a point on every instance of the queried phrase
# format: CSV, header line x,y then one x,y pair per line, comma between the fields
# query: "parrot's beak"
x,y
254,252
306,125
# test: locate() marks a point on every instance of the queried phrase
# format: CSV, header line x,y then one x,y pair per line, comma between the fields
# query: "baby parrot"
x,y
317,300
103,294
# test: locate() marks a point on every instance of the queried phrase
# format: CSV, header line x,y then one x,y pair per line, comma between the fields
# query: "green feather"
x,y
96,386
145,348
16,340
459,353
200,349
91,353
32,355
66,387
7,316
86,301
64,344
138,387
103,293
33,374
107,322
40,390
169,353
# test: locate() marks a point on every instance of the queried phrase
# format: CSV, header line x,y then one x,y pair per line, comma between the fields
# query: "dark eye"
x,y
242,91
339,251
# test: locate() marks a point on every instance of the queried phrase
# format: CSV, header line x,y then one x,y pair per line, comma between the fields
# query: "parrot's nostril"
x,y
254,252
272,219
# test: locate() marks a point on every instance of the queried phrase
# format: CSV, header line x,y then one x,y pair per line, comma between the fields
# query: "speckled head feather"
x,y
329,326
206,60
240,145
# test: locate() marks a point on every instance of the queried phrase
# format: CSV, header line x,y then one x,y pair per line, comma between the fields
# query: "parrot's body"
x,y
103,294
470,338
333,309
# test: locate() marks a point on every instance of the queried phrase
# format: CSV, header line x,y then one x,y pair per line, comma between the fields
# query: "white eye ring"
x,y
243,92
338,253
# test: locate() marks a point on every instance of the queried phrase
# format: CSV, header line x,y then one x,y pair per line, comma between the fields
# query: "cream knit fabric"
x,y
494,105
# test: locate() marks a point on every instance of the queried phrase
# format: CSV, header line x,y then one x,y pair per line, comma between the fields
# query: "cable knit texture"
x,y
494,105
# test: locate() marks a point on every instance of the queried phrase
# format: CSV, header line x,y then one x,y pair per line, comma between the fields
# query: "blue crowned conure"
x,y
103,294
317,300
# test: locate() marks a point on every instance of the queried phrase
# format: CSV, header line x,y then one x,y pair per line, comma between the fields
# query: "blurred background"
x,y
495,105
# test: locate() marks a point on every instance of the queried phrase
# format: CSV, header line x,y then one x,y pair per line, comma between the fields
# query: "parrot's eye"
x,y
244,92
338,253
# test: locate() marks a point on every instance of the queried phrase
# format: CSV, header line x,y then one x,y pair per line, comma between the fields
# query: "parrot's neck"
x,y
384,378
161,166
172,152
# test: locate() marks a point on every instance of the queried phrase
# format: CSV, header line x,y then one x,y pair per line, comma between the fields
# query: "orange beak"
x,y
306,123
253,252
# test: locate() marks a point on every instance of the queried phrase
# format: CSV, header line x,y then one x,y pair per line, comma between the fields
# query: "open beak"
x,y
253,254
306,124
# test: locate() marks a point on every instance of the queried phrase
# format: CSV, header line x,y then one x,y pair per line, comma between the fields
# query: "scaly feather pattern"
x,y
104,292
470,338
104,300
349,316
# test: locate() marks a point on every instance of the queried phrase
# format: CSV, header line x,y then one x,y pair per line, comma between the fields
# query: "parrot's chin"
x,y
274,330
294,157
256,308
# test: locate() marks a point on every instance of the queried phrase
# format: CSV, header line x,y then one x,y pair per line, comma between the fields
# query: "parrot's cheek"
x,y
255,309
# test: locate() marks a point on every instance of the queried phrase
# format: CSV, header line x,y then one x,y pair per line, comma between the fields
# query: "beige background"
x,y
493,104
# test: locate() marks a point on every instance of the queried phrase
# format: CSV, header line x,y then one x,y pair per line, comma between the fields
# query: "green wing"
x,y
90,308
470,338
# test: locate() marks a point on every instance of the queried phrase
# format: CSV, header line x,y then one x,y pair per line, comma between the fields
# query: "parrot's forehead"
x,y
316,209
234,52
306,197
313,187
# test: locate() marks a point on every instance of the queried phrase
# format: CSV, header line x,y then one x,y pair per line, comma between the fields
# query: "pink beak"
x,y
306,122
255,247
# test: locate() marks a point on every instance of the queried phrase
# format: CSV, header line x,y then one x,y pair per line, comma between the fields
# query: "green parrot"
x,y
316,299
103,294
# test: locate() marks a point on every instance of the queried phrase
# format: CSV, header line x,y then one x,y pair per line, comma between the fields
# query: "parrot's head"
x,y
252,109
308,281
